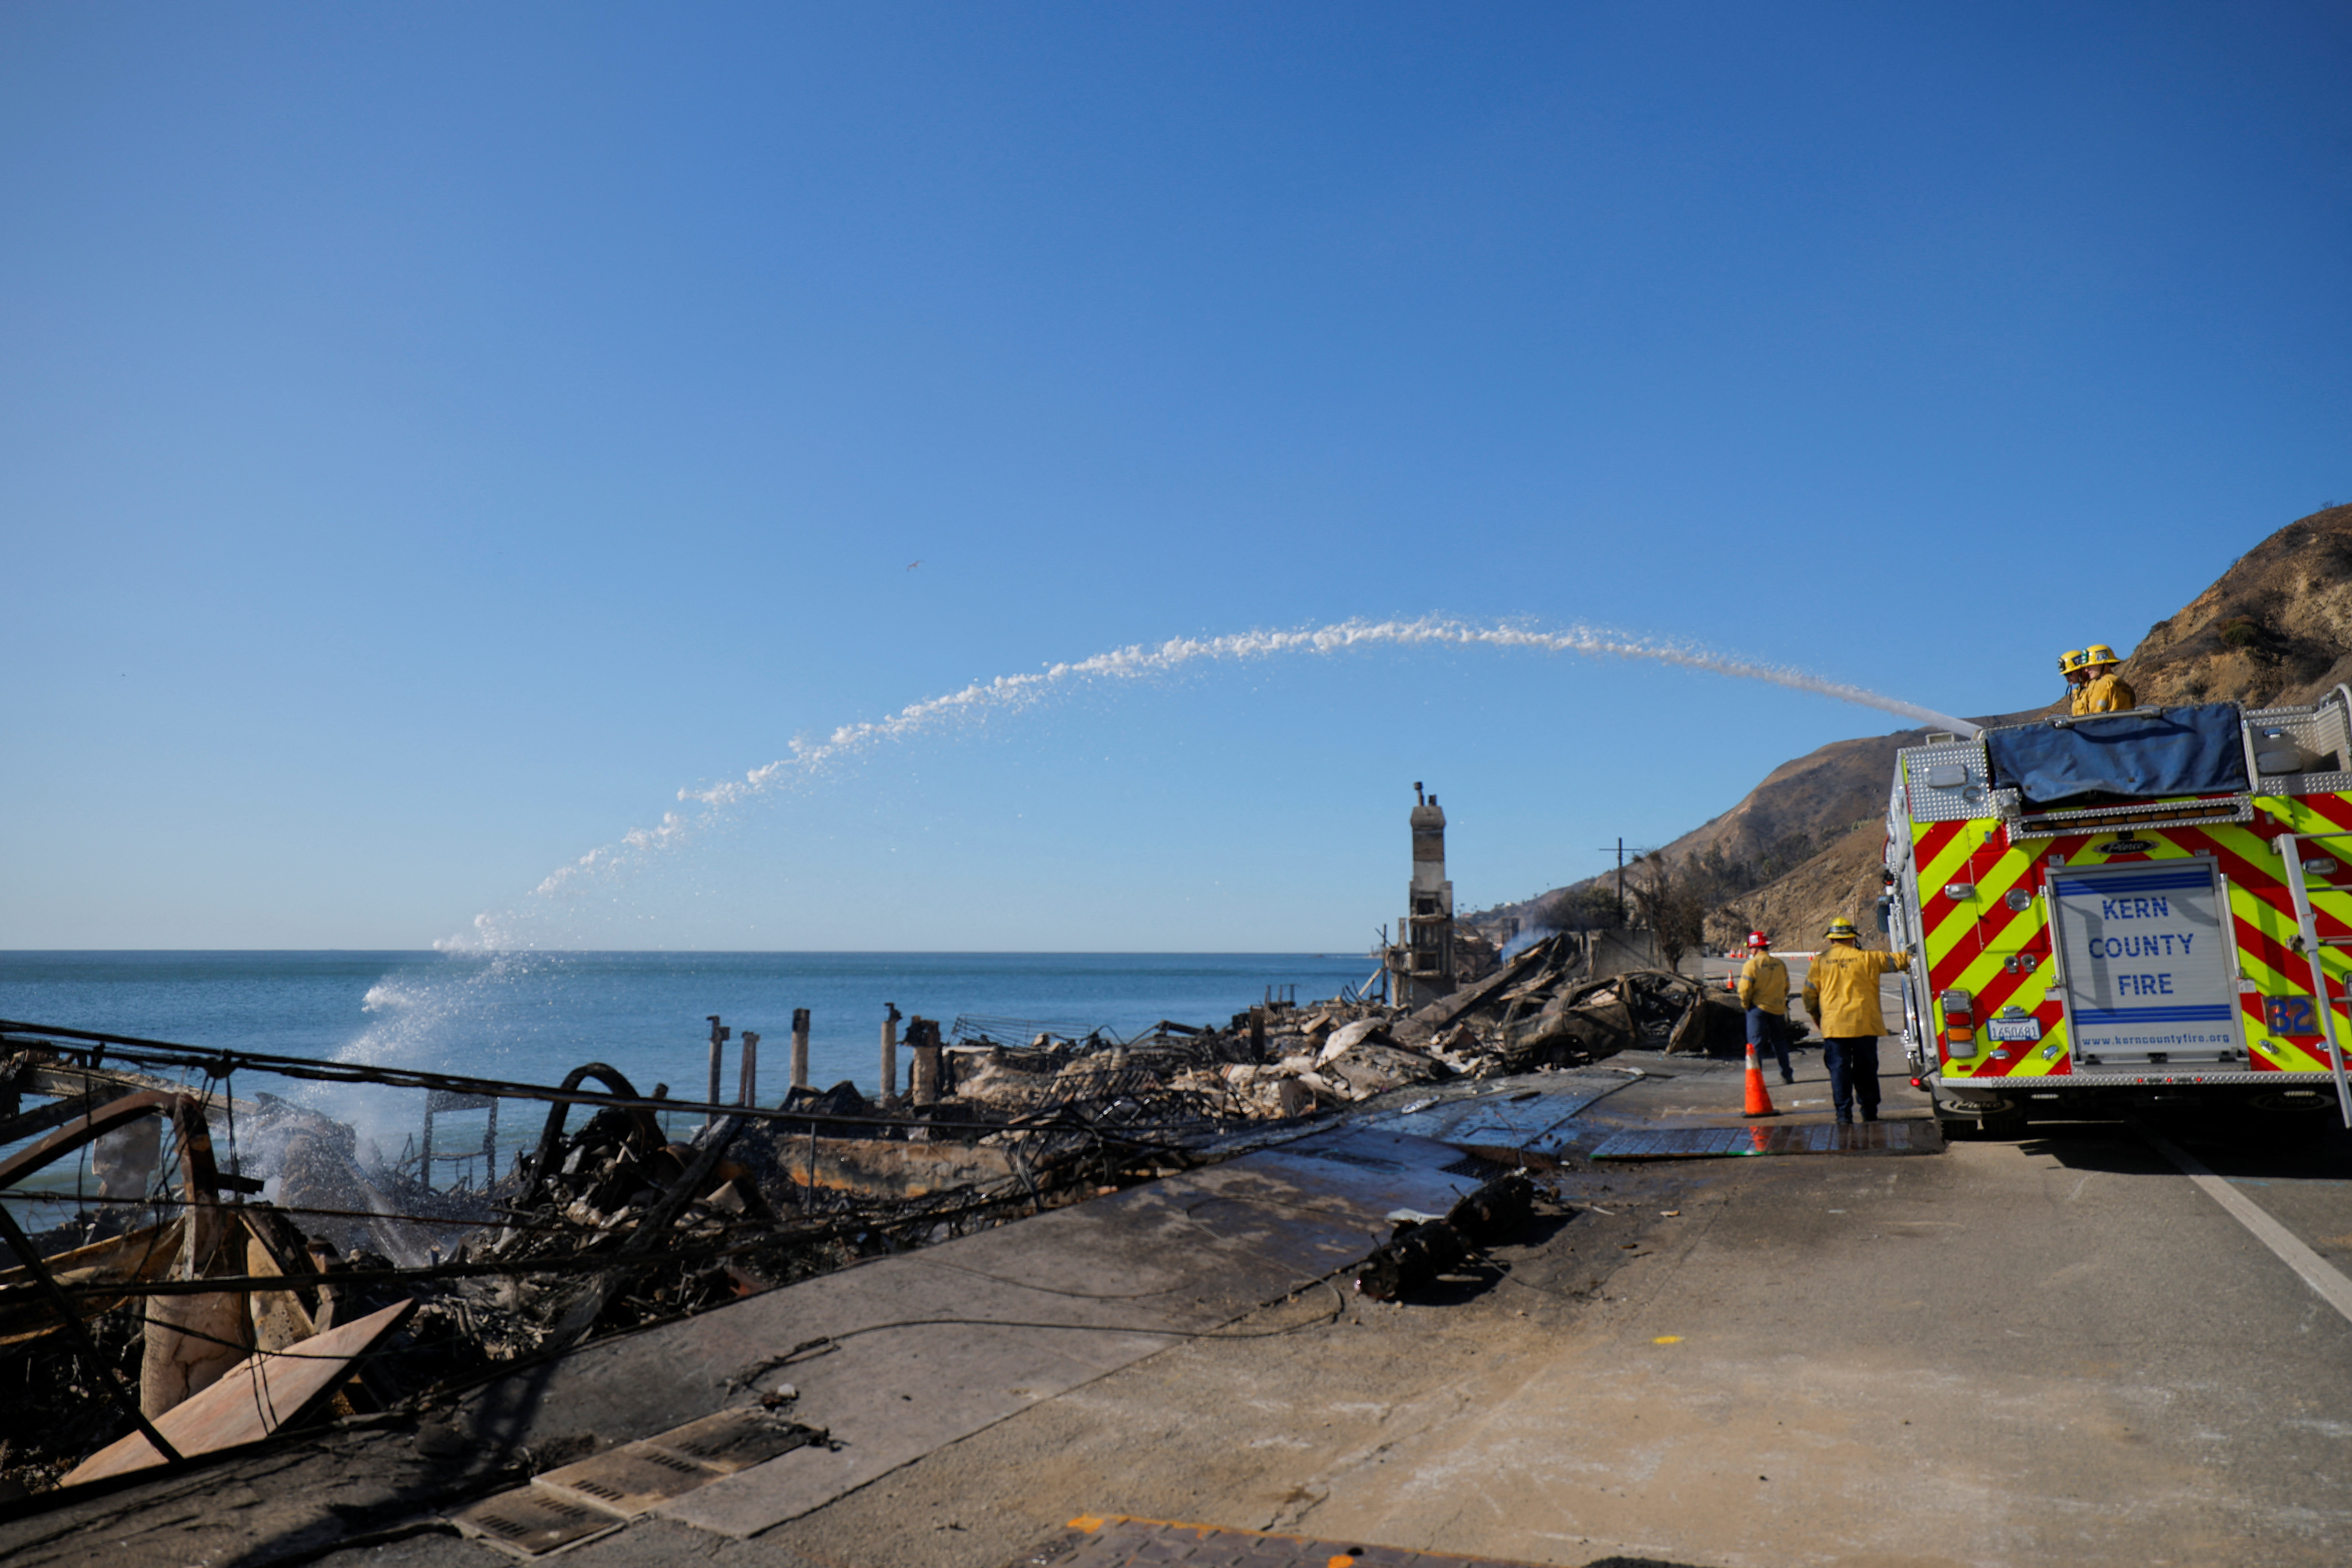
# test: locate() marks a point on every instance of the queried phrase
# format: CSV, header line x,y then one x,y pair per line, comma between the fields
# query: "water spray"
x,y
1012,693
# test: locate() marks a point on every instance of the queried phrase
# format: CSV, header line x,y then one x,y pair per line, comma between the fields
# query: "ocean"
x,y
531,1018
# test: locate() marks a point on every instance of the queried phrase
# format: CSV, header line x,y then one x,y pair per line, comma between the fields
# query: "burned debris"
x,y
199,1230
225,1229
1420,1249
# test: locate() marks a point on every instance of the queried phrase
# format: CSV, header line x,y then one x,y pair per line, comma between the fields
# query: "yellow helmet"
x,y
1842,927
2098,654
2070,661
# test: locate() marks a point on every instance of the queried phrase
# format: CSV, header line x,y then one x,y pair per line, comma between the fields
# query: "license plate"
x,y
2016,1028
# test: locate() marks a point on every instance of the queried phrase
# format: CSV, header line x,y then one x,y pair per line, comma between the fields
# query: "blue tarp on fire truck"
x,y
2171,752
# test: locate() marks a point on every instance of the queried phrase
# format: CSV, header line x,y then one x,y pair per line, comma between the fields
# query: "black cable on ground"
x,y
808,1347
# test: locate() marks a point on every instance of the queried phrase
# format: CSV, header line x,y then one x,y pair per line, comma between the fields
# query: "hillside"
x,y
2276,627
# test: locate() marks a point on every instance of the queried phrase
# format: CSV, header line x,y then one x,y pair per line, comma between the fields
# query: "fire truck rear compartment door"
x,y
2148,981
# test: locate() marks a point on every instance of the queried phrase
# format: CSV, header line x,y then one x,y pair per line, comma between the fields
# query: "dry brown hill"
x,y
2275,628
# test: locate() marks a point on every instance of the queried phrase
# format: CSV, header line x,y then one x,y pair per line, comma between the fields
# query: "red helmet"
x,y
1758,939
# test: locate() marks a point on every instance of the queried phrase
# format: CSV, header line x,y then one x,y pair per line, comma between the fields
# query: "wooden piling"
x,y
923,1034
719,1035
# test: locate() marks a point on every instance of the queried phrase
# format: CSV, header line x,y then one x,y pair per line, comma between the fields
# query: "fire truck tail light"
x,y
1959,1013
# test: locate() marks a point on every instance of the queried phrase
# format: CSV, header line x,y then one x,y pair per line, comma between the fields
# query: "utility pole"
x,y
1621,878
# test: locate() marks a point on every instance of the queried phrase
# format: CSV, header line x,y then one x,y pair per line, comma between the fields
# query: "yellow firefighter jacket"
x,y
1764,983
1841,990
2103,694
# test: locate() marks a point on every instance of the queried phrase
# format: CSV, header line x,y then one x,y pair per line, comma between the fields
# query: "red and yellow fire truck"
x,y
2129,908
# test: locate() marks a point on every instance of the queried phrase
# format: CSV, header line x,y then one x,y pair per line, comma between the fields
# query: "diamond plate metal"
x,y
2154,815
1958,803
2320,732
2305,783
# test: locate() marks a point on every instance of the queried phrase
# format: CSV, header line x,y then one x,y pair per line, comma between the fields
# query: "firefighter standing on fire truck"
x,y
2103,691
2071,666
1842,994
1764,991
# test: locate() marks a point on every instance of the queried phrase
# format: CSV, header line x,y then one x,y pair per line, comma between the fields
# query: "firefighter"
x,y
1764,991
2070,665
1842,994
2103,691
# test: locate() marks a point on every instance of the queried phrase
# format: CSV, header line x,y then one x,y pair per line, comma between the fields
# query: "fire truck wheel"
x,y
2306,1102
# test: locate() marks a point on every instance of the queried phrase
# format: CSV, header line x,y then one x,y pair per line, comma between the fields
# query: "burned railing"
x,y
347,1190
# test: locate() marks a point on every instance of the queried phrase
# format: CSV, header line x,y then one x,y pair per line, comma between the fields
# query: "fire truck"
x,y
2126,911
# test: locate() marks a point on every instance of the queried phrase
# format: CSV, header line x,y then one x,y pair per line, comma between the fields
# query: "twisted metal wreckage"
x,y
194,1302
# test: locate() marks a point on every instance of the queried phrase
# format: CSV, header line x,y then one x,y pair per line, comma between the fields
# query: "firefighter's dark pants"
x,y
1769,1033
1853,1061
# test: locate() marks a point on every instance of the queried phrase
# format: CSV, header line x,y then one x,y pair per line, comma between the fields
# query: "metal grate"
x,y
629,1479
733,1439
531,1523
569,1505
2155,814
1920,1137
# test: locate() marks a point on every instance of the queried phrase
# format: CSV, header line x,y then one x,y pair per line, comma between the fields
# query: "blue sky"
x,y
437,436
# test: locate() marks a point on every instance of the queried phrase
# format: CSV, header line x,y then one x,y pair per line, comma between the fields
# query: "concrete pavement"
x,y
2053,1350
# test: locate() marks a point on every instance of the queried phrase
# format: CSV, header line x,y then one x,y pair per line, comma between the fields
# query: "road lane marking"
x,y
2317,1271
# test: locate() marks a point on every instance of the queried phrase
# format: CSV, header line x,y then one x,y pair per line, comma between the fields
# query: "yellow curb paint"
x,y
1087,1522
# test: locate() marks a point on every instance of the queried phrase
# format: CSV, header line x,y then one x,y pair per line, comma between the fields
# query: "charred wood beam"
x,y
121,1112
1468,998
73,1081
25,1124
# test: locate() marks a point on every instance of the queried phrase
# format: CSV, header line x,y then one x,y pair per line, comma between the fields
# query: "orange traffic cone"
x,y
1759,1103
